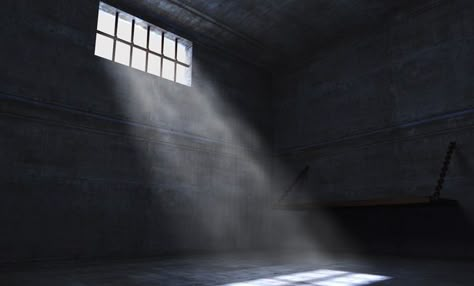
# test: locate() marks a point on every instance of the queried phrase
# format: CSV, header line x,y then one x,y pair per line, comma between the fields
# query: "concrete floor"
x,y
243,270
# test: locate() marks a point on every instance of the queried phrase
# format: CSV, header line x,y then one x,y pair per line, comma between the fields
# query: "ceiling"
x,y
268,32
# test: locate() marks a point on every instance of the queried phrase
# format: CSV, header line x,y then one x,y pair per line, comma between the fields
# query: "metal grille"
x,y
180,58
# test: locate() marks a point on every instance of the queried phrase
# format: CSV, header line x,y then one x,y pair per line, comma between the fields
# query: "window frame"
x,y
149,29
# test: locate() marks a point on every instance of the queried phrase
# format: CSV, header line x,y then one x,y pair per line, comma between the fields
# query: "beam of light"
x,y
228,187
321,277
202,157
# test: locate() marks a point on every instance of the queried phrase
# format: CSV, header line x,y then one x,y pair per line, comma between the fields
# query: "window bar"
x,y
115,35
143,49
132,43
176,58
162,52
147,47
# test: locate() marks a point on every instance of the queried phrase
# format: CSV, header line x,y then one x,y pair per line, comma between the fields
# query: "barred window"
x,y
130,41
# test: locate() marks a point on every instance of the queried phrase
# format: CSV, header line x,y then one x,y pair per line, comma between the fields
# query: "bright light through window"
x,y
321,277
130,41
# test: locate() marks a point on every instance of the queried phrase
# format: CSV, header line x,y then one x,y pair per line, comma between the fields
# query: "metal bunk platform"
x,y
434,199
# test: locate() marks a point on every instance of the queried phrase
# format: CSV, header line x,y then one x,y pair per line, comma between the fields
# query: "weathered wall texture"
x,y
373,115
98,159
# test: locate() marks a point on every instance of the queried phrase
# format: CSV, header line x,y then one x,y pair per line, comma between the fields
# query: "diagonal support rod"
x,y
444,170
298,180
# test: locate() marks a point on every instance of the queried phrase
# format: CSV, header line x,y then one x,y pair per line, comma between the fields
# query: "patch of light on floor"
x,y
321,277
310,275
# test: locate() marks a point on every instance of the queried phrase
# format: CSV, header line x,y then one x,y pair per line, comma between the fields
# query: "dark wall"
x,y
98,159
373,114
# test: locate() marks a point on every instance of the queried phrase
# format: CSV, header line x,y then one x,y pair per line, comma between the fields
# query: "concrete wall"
x,y
98,159
101,160
373,114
